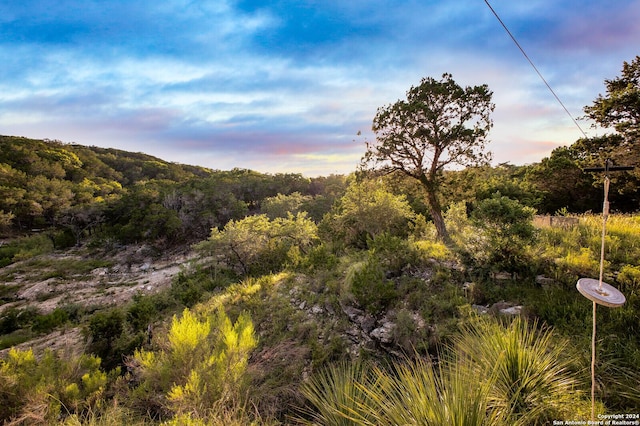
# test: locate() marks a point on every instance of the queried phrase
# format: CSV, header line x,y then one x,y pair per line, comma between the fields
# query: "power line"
x,y
535,68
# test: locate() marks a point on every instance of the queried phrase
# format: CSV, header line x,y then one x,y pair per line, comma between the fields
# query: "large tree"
x,y
439,124
620,108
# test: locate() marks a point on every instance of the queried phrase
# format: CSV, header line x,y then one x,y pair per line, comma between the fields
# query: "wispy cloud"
x,y
286,85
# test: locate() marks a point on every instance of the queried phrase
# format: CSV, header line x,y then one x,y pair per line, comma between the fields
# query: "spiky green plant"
x,y
494,375
420,393
528,370
340,397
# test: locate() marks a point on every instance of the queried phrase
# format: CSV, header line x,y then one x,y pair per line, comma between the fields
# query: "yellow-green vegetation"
x,y
575,251
494,374
198,370
244,346
41,391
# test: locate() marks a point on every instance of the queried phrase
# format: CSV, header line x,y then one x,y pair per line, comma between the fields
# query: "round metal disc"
x,y
606,294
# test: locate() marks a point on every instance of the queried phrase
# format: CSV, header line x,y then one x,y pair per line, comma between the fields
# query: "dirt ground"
x,y
132,272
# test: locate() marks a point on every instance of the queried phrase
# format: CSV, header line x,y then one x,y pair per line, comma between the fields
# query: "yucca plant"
x,y
492,375
339,396
419,393
414,393
527,369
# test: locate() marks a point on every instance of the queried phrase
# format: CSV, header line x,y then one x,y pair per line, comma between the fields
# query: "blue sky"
x,y
285,86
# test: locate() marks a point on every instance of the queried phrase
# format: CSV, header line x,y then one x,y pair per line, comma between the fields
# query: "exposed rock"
x,y
544,281
480,309
514,310
498,306
384,333
364,320
503,276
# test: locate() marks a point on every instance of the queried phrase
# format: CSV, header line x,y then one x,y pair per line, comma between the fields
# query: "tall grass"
x,y
340,396
575,251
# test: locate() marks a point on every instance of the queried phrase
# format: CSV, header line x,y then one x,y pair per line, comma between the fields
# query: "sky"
x,y
292,86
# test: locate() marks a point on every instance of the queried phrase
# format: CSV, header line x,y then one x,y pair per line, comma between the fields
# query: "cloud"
x,y
288,83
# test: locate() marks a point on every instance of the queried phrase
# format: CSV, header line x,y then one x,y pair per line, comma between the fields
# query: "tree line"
x,y
74,192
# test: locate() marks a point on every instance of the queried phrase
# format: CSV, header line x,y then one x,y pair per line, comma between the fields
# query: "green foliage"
x,y
108,193
370,287
620,107
433,249
282,205
440,123
24,248
574,252
527,368
393,253
474,184
365,211
318,258
201,365
257,245
506,231
339,397
629,277
562,183
46,323
107,338
13,319
499,375
41,391
146,309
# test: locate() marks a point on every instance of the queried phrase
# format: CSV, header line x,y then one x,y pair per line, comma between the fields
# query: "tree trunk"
x,y
438,219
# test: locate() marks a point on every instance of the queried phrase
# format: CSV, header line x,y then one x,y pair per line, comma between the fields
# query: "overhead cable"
x,y
535,68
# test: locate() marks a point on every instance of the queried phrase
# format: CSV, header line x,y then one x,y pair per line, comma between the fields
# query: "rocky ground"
x,y
132,270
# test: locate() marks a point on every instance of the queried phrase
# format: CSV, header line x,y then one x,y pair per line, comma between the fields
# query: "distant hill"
x,y
73,192
57,160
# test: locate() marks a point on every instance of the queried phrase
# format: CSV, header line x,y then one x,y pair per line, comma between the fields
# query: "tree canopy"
x,y
620,108
439,124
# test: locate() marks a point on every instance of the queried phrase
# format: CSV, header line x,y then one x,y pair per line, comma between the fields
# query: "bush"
x,y
46,323
370,287
498,375
25,248
146,309
629,277
318,257
44,391
257,245
393,253
14,319
507,230
200,366
365,211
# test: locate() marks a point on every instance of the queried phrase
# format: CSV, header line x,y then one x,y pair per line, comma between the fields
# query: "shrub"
x,y
41,391
48,322
370,287
201,365
507,229
527,369
365,211
256,245
339,396
629,277
393,253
